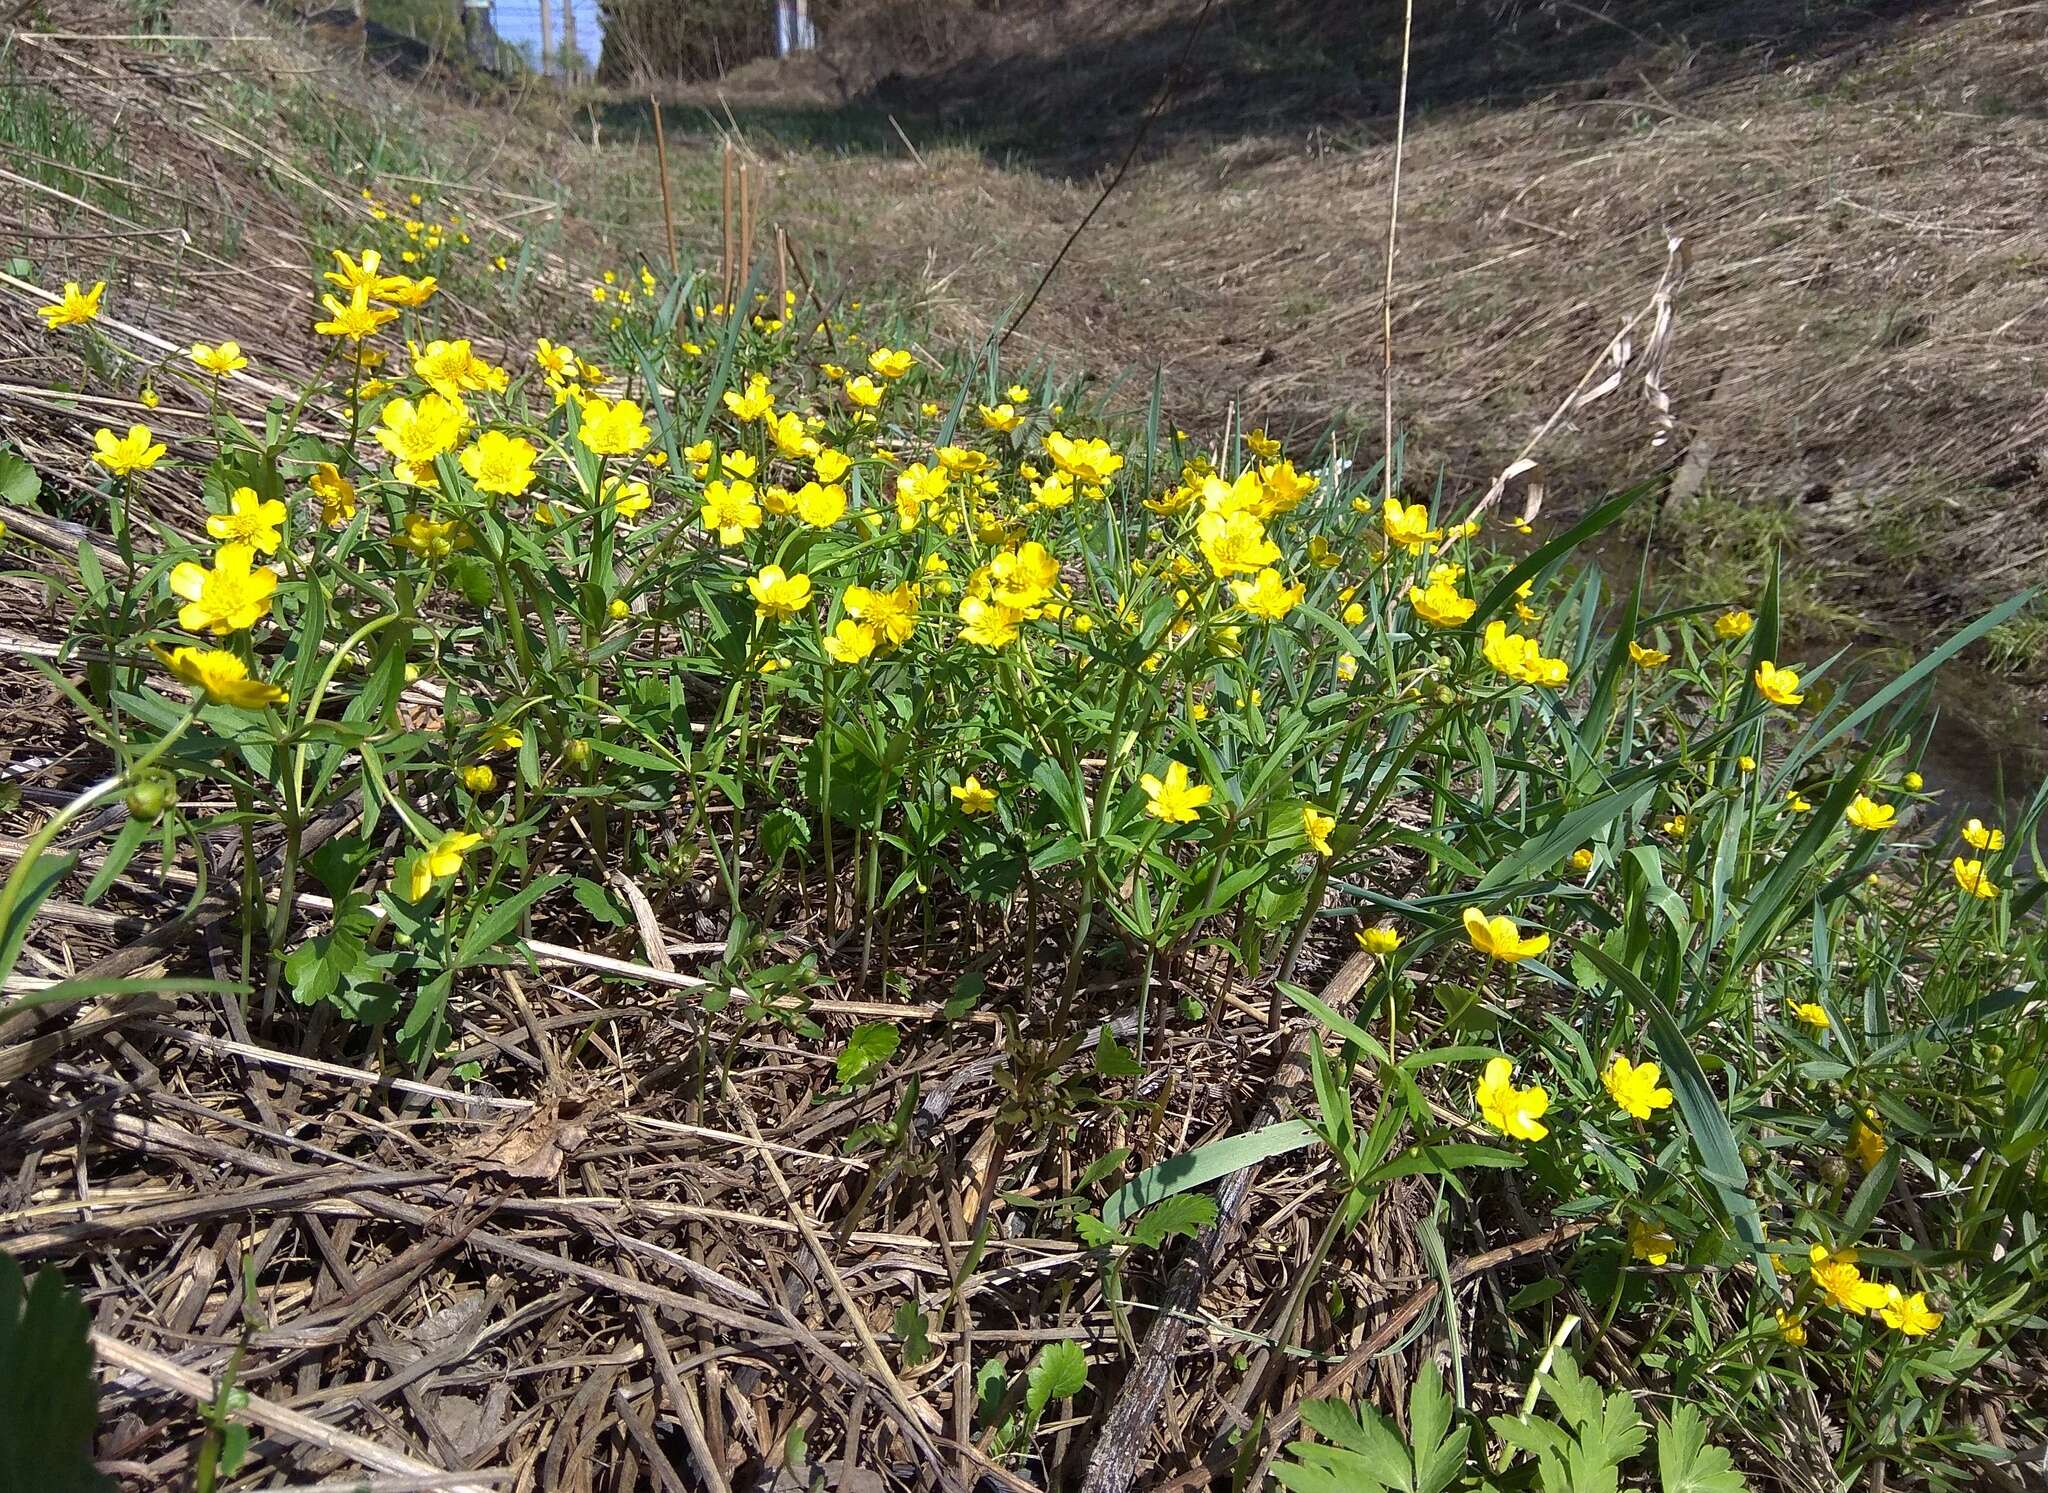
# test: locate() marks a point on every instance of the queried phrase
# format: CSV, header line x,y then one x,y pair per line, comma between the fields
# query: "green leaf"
x,y
1185,1214
41,879
1058,1373
49,1399
1686,1464
495,926
910,1326
596,901
19,483
871,1045
1112,1058
1203,1165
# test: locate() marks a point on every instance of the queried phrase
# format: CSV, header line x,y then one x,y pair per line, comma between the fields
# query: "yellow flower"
x,y
1263,446
555,362
220,676
1515,1113
224,361
1908,1314
1866,1139
1442,606
431,539
1498,937
1347,667
864,391
479,778
1982,838
890,363
1234,543
227,598
450,368
1173,798
1810,1015
502,738
355,318
1971,878
76,308
1648,658
917,487
133,452
1746,762
1779,686
626,498
148,396
1582,859
1835,1272
336,493
729,509
1285,487
988,624
365,275
1020,579
1317,826
1510,653
1678,826
1646,1241
777,594
1734,624
250,520
972,797
892,614
613,429
1378,939
1087,461
417,433
500,463
849,642
1796,802
1791,1327
1017,394
1634,1089
1266,596
1868,814
821,506
830,465
1406,525
1001,417
438,861
617,610
792,436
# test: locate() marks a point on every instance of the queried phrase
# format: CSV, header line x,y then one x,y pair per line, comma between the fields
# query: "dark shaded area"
x,y
1061,95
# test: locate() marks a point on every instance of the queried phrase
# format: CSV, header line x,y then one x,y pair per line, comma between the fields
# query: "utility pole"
x,y
547,42
480,34
572,58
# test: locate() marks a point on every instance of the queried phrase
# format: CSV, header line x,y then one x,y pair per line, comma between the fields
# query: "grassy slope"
x,y
1852,347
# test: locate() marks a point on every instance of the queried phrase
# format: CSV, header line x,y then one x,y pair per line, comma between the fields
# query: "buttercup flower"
x,y
777,594
417,433
1835,1272
1869,815
220,676
863,391
1981,837
610,429
1634,1088
1498,937
972,797
1779,686
892,614
1088,461
1317,825
1174,799
1647,658
250,520
849,642
1791,1327
1515,1113
1511,653
988,624
1734,624
821,505
1970,877
1234,543
1266,596
1649,1243
757,402
227,598
1378,939
500,463
1866,1139
354,318
890,363
1812,1016
1443,606
729,509
224,361
1002,417
133,452
76,308
336,493
439,861
1406,525
479,778
1907,1314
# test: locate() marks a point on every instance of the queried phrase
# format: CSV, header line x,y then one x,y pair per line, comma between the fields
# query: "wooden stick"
x,y
725,228
668,212
746,265
284,1422
781,272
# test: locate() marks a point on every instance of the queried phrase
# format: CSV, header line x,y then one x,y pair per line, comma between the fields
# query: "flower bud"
x,y
150,794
